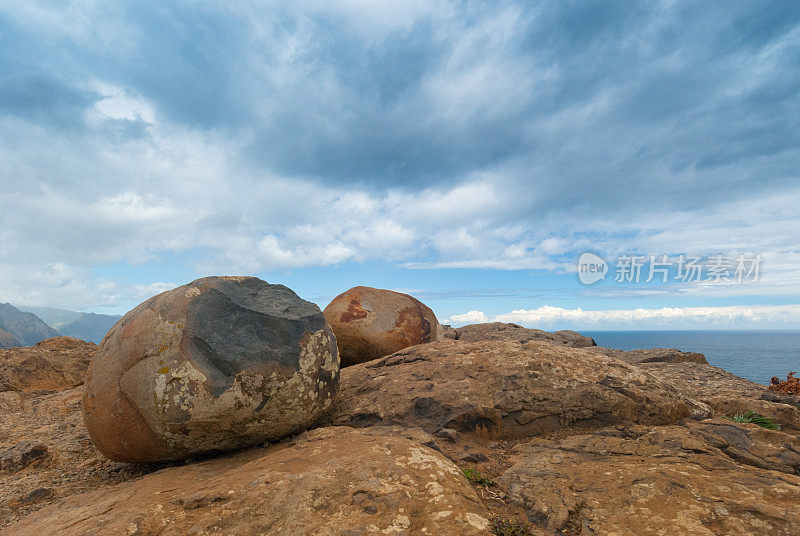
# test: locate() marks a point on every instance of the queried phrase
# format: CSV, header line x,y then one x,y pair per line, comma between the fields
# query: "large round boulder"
x,y
370,323
219,364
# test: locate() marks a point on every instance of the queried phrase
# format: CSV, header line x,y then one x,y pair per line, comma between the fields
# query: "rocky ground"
x,y
46,453
495,430
52,364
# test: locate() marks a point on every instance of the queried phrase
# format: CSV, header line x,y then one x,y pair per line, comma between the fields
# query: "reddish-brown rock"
x,y
505,388
726,393
219,364
332,481
702,479
653,355
370,323
669,474
501,331
53,364
44,445
22,455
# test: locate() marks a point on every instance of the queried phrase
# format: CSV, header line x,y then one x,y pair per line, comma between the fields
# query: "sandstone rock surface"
x,y
498,331
218,364
653,355
53,364
505,388
728,394
70,464
334,481
676,480
370,323
21,455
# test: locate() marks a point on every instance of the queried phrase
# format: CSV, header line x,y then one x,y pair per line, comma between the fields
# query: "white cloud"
x,y
132,208
283,224
470,317
54,284
143,292
116,103
504,150
272,253
664,317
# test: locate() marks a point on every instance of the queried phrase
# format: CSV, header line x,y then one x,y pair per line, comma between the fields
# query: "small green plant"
x,y
476,478
505,527
752,417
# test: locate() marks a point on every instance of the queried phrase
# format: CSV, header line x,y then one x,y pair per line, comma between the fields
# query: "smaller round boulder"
x,y
370,323
219,364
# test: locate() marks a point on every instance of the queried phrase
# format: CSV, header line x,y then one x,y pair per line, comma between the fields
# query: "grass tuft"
x,y
505,527
477,478
752,417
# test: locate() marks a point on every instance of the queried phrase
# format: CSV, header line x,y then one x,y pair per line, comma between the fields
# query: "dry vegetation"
x,y
790,385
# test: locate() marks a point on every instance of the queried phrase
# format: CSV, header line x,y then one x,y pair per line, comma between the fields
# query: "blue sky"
x,y
465,152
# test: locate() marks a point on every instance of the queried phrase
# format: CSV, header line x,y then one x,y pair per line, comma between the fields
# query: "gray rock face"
x,y
218,364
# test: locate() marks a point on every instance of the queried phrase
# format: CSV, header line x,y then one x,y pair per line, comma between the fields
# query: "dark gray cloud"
x,y
44,100
446,133
320,94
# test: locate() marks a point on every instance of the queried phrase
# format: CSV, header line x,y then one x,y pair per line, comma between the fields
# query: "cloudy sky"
x,y
465,152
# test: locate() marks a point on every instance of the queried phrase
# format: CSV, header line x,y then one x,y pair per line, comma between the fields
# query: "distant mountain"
x,y
90,327
27,328
7,340
55,318
87,326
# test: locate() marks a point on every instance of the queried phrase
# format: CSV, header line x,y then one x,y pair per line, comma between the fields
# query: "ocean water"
x,y
755,355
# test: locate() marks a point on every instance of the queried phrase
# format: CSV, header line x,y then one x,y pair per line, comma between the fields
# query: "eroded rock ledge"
x,y
708,478
496,331
505,388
